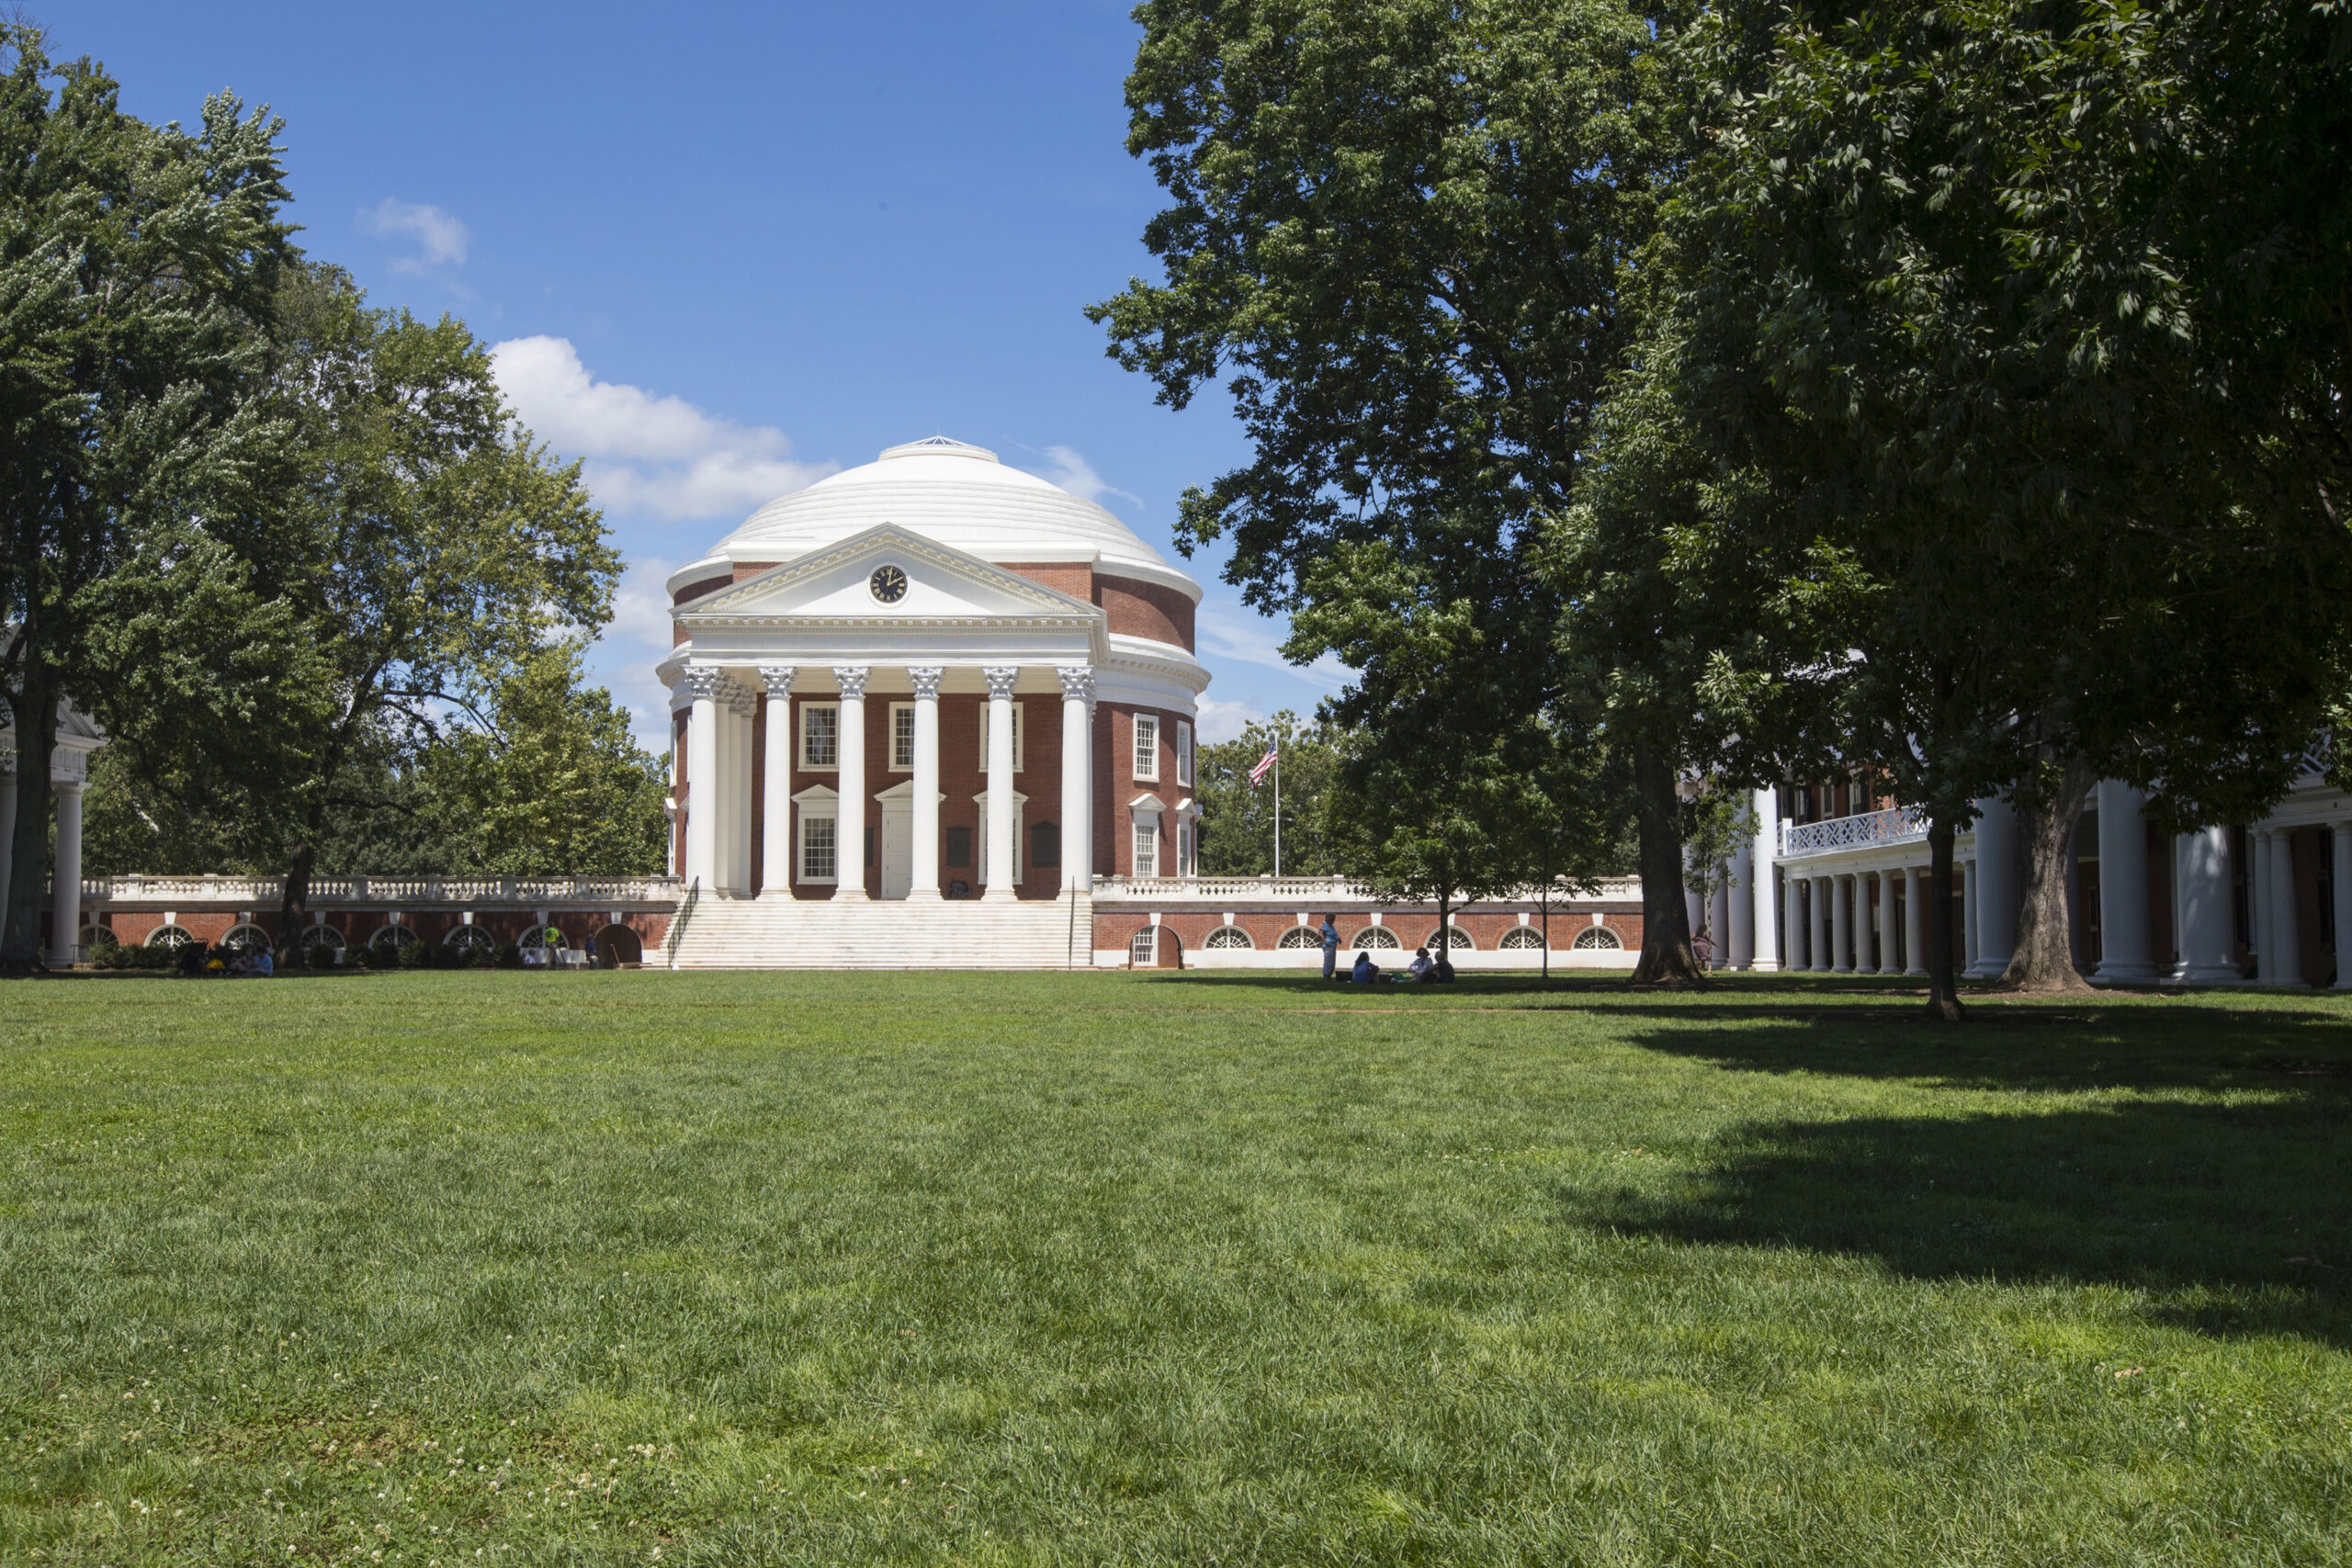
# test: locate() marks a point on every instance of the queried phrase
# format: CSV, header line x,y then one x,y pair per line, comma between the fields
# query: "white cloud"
x,y
440,236
1076,475
1221,720
643,454
1233,632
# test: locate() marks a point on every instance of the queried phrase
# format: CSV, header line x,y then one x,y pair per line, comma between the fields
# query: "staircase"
x,y
793,933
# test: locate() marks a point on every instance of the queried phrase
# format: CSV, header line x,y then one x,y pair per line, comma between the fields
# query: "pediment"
x,y
832,586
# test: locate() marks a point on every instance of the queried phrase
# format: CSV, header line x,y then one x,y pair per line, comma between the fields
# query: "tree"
x,y
444,552
1928,303
1717,821
1238,818
1397,232
136,264
555,784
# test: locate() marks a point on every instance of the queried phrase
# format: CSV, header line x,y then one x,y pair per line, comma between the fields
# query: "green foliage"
x,y
557,784
136,265
1237,822
1159,1269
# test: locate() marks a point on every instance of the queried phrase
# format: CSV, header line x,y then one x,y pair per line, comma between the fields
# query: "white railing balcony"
x,y
385,892
1898,825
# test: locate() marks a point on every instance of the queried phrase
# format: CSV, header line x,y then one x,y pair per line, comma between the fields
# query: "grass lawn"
x,y
516,1268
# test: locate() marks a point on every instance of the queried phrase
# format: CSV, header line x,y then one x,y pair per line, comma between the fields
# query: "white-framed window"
x,y
1228,936
171,936
1522,936
1148,746
1183,752
1147,849
1461,939
820,735
1379,938
820,849
902,737
1183,846
1019,838
470,939
392,936
1301,936
1143,948
1600,937
247,938
1020,735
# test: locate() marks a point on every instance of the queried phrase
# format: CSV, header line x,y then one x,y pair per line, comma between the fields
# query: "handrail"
x,y
1896,825
678,924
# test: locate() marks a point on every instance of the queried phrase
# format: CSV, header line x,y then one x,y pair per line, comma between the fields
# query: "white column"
x,y
776,784
65,886
1078,777
2286,968
1888,962
850,824
2257,899
923,815
1996,887
702,779
2339,841
1842,925
2125,939
2205,913
1793,920
1915,921
1719,923
999,871
739,814
8,816
1739,911
1766,944
1971,905
1825,957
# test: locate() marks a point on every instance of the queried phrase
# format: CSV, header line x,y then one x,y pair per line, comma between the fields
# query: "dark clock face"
x,y
889,583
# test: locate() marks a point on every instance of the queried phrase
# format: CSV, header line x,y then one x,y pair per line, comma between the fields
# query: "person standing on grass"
x,y
1330,946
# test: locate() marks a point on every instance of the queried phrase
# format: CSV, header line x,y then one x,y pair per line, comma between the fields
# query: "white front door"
x,y
898,845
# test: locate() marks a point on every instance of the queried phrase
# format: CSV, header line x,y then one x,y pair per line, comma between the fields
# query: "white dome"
x,y
959,495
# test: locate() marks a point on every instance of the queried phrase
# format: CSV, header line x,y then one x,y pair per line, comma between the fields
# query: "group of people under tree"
x,y
1758,391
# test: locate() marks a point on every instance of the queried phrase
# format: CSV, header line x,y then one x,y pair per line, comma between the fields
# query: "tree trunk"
x,y
294,899
1943,990
34,707
1547,927
1445,928
1665,924
2044,958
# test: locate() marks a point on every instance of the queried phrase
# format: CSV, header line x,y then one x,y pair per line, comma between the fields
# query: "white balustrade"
x,y
1898,825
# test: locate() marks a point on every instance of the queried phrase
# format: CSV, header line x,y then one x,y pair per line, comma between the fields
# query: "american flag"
x,y
1265,762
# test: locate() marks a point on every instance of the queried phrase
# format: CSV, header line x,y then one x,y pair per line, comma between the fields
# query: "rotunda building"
x,y
928,681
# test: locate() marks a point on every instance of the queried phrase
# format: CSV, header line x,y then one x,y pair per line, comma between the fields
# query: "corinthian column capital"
x,y
926,678
777,680
1000,677
852,678
1077,681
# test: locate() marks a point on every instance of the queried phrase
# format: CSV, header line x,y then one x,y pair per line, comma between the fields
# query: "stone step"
x,y
787,933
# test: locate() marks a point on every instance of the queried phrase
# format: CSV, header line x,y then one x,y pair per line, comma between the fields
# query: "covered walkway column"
x,y
999,870
7,813
1841,923
1915,921
776,784
2205,912
1793,920
2282,956
65,886
1820,889
1997,888
1766,940
1078,777
923,815
702,778
1889,961
850,827
2124,937
1739,909
2339,841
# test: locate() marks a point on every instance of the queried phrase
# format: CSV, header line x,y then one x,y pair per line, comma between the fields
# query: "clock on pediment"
x,y
889,584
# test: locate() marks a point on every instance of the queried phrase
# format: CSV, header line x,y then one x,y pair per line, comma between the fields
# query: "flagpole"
x,y
1278,811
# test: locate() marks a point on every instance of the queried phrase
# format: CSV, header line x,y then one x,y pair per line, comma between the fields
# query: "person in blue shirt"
x,y
1365,973
1330,946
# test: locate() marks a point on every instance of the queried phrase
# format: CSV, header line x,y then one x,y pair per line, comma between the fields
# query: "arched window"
x,y
1377,937
1461,940
550,937
1598,937
96,937
1522,936
1301,936
469,939
247,938
393,937
325,936
616,945
1228,936
174,937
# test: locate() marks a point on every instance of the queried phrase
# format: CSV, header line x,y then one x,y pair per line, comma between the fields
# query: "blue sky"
x,y
734,247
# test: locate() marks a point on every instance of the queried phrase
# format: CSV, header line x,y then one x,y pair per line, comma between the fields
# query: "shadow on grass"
x,y
2234,1215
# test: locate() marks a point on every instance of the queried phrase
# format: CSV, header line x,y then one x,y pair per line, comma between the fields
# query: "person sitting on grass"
x,y
1420,964
1367,972
1443,970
